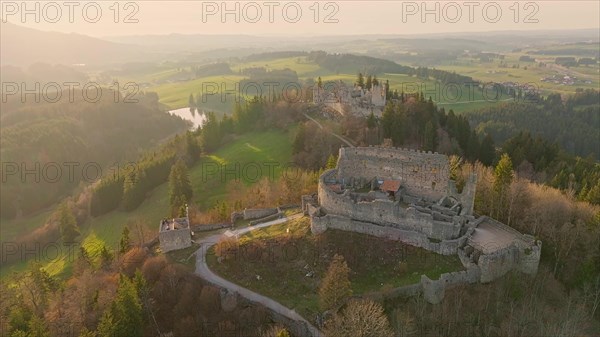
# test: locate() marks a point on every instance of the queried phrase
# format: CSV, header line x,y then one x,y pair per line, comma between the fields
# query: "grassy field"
x,y
105,230
286,262
247,159
176,95
11,229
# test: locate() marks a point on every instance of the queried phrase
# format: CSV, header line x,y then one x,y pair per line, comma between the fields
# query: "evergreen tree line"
x,y
554,142
127,187
412,120
372,65
545,162
572,123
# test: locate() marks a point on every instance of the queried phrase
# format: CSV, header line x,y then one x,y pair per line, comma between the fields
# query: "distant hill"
x,y
23,46
102,133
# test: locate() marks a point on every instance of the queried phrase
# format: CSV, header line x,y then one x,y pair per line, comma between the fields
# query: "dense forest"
x,y
64,143
554,142
572,123
372,65
134,293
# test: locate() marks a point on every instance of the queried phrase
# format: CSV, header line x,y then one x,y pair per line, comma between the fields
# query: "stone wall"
x,y
275,216
423,174
498,263
530,257
257,213
175,239
522,254
433,291
444,247
524,259
386,213
209,227
467,197
489,266
235,216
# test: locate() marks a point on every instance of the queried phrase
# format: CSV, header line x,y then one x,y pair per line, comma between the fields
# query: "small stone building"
x,y
175,234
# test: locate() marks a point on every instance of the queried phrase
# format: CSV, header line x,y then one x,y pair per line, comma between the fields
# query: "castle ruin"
x,y
355,100
408,196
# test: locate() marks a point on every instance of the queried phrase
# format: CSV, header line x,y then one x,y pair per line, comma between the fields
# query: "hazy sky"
x,y
97,18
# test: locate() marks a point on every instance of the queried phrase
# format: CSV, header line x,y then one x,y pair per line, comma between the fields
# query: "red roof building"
x,y
390,186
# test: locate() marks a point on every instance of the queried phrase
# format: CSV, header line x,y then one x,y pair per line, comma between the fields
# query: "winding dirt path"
x,y
334,134
204,272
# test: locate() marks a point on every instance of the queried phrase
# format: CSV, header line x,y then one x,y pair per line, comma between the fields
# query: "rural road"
x,y
204,272
334,134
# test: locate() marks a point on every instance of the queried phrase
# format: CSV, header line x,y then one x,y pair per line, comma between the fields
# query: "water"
x,y
197,117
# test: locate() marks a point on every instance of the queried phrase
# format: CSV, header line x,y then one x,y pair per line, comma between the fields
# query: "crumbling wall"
x,y
257,213
498,263
423,174
433,290
235,216
530,257
385,213
175,239
445,247
209,227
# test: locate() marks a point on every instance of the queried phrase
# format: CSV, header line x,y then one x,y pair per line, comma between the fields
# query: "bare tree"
x,y
359,318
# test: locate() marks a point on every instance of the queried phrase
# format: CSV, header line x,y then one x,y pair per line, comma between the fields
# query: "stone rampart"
x,y
530,258
428,213
423,174
209,227
498,263
410,237
433,291
386,213
257,213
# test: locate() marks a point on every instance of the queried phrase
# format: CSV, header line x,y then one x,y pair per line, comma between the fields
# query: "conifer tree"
x,y
67,223
124,317
503,176
360,80
335,287
180,188
369,82
125,241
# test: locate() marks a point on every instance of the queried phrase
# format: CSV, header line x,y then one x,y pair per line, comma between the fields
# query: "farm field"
x,y
499,71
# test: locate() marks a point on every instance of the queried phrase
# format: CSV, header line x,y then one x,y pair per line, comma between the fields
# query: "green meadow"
x,y
209,180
